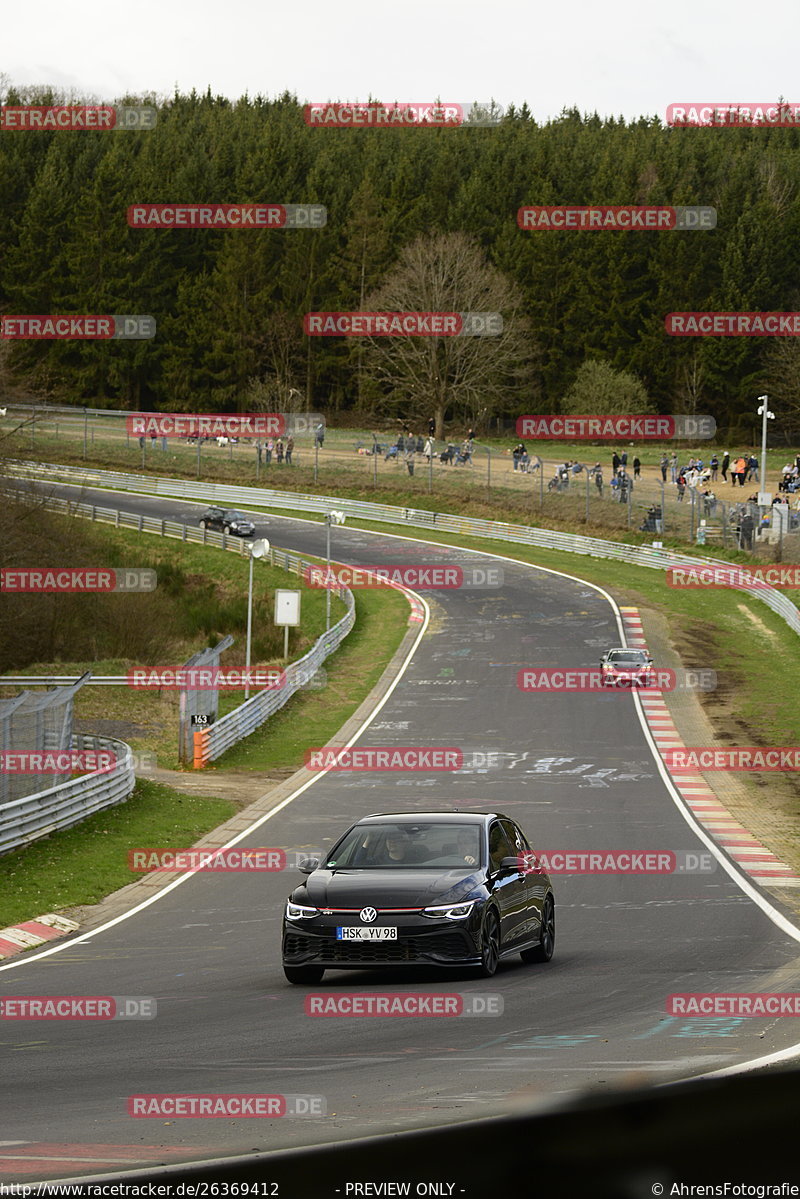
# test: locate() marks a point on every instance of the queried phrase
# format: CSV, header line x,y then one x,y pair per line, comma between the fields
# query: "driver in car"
x,y
467,848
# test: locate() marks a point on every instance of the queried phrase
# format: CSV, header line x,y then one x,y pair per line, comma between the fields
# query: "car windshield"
x,y
627,657
232,514
423,846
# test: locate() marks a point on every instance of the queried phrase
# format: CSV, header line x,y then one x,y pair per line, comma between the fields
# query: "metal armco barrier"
x,y
211,742
238,497
23,821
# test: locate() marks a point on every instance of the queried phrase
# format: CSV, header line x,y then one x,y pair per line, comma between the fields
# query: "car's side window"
x,y
499,845
518,837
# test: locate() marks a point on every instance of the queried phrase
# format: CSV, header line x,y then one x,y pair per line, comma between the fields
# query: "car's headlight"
x,y
297,911
449,911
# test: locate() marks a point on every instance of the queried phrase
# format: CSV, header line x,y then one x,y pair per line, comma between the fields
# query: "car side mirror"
x,y
308,865
511,863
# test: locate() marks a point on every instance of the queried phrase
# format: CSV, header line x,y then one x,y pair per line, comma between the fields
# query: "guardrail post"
x,y
141,519
162,526
116,518
183,532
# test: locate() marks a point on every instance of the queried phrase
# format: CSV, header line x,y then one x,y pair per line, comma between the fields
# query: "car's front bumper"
x,y
452,944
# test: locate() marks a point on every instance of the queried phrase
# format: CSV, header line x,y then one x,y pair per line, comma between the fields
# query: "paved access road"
x,y
576,771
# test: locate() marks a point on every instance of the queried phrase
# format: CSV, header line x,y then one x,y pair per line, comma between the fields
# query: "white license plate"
x,y
366,934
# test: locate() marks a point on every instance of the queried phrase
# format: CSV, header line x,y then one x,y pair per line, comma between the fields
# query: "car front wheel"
x,y
547,937
490,946
308,975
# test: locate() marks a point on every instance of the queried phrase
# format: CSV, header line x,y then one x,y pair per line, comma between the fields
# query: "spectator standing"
x,y
746,532
270,446
428,451
752,463
664,467
279,450
741,470
623,460
673,466
289,450
616,462
680,483
431,427
319,435
714,464
637,468
724,468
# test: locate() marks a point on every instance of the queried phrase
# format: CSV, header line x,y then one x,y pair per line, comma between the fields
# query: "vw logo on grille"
x,y
368,915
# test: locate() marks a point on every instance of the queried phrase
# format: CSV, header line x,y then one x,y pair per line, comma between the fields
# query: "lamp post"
x,y
765,415
258,549
331,518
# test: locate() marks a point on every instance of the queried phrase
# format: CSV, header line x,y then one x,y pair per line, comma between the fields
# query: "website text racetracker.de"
x,y
225,1106
703,758
198,678
549,679
58,327
258,858
733,576
386,758
614,217
732,324
399,1003
420,577
227,216
80,580
225,424
615,428
403,324
78,1007
402,114
745,114
54,118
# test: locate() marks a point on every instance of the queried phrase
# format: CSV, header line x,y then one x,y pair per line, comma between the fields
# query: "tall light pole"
x,y
258,549
331,518
765,415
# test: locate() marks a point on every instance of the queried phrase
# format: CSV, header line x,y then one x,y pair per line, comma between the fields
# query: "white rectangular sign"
x,y
287,607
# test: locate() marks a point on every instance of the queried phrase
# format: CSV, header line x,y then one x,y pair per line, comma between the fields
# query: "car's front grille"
x,y
454,946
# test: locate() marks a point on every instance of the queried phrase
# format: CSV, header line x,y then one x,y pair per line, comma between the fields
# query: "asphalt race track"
x,y
576,771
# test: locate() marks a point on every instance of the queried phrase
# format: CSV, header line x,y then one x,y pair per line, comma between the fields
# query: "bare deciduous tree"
x,y
458,376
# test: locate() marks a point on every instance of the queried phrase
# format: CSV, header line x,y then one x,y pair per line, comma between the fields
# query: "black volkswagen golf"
x,y
426,889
